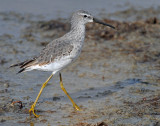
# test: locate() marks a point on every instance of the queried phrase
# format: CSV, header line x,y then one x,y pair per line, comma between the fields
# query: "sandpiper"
x,y
60,52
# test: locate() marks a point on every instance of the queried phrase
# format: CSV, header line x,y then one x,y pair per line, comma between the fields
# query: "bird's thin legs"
x,y
34,104
62,87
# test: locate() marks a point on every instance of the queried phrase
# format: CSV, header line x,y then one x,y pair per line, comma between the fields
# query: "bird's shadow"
x,y
98,92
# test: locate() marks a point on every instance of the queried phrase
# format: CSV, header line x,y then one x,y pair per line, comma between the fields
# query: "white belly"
x,y
55,66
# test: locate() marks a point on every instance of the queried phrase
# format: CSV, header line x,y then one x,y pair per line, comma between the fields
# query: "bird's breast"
x,y
76,50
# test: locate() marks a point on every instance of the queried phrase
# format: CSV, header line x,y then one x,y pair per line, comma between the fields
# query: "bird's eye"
x,y
85,16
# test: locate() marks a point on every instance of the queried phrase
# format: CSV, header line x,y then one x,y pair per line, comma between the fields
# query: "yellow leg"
x,y
34,104
62,87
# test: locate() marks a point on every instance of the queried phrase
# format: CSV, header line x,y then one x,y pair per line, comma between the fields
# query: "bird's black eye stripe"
x,y
85,16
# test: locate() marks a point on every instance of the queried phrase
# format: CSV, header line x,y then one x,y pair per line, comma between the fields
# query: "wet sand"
x,y
115,81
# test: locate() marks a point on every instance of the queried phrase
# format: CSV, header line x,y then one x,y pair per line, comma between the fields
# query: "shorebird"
x,y
60,52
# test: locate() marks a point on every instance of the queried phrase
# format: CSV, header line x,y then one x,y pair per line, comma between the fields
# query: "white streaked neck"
x,y
78,31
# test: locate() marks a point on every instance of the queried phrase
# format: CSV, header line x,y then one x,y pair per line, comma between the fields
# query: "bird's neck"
x,y
78,32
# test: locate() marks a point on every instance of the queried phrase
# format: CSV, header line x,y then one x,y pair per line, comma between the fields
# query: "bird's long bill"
x,y
100,22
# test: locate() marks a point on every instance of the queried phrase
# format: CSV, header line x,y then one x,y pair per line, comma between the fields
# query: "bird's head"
x,y
83,17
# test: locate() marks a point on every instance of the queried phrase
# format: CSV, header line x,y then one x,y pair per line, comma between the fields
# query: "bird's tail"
x,y
24,65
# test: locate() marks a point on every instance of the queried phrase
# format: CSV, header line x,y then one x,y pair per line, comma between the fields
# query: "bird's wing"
x,y
54,50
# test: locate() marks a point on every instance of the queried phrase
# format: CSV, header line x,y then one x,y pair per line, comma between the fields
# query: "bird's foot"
x,y
76,107
32,110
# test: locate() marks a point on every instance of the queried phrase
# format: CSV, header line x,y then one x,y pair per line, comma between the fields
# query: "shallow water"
x,y
50,9
122,77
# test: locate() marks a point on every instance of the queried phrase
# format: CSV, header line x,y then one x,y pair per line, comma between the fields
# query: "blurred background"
x,y
62,8
116,79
